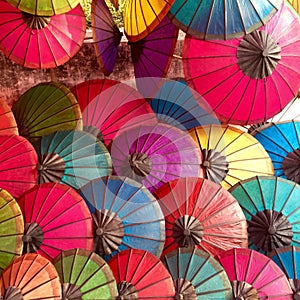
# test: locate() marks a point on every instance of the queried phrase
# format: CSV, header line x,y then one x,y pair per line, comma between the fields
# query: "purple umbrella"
x,y
155,154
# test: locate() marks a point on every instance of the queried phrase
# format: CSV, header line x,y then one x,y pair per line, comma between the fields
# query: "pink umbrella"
x,y
37,41
250,79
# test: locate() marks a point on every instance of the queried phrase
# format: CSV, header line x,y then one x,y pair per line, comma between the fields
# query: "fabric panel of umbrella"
x,y
125,215
254,275
288,259
197,275
18,161
8,125
71,157
282,141
230,154
11,229
199,212
271,207
85,275
221,20
56,218
110,107
250,79
156,154
30,276
45,108
296,5
141,275
176,104
142,17
45,7
40,42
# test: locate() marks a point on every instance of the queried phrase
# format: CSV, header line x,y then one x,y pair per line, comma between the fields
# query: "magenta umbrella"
x,y
37,41
250,79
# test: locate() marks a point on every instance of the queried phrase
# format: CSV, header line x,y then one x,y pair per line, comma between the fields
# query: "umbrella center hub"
x,y
258,54
187,231
35,22
95,132
140,164
13,293
184,290
33,237
270,229
291,166
109,231
243,291
295,285
126,291
70,291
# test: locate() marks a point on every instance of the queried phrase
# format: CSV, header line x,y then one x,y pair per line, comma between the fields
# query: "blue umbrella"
x,y
126,215
282,141
197,275
272,208
288,259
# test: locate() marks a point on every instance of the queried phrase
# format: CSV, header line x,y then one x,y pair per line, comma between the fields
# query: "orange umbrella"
x,y
8,123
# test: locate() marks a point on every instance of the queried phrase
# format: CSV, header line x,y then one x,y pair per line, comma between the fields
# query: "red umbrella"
x,y
18,164
141,275
250,79
40,42
8,125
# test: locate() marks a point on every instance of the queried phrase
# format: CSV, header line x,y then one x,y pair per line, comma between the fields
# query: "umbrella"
x,y
230,154
109,107
199,212
11,229
29,277
156,154
40,42
18,161
56,218
254,275
296,5
8,125
197,275
271,207
281,141
85,275
142,17
106,36
45,7
45,108
141,275
72,157
176,104
125,214
288,259
250,79
217,20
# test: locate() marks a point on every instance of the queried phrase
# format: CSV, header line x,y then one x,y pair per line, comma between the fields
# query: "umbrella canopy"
x,y
45,108
156,154
217,20
45,7
8,125
199,212
40,42
125,214
176,104
230,154
296,5
281,141
288,259
141,17
110,107
271,207
250,79
11,229
85,275
254,275
197,275
141,275
18,161
29,277
56,218
106,36
72,157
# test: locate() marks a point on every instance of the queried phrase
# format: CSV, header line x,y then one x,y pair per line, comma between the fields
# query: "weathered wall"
x,y
15,80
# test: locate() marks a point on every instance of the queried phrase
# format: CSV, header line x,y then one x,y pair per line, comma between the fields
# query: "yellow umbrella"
x,y
142,16
296,5
230,155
